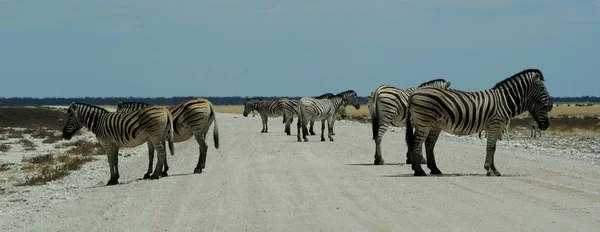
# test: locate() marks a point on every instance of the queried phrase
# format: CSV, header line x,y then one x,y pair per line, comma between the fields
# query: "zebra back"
x,y
124,107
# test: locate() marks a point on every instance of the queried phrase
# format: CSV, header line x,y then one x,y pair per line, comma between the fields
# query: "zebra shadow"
x,y
410,175
102,184
371,164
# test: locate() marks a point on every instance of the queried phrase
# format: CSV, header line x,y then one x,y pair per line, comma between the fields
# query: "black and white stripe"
x,y
290,109
265,108
312,109
192,117
462,113
387,105
152,124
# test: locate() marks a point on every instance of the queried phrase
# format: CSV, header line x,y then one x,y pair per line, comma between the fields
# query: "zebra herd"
x,y
425,111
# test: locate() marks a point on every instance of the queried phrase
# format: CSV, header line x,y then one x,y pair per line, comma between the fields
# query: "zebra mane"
x,y
252,99
501,83
431,82
327,95
132,103
347,92
89,106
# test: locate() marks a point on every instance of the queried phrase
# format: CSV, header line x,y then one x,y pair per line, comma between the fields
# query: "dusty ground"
x,y
270,182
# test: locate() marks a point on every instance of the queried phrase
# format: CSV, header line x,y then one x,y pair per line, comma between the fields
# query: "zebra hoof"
x,y
408,161
305,140
379,162
497,173
112,182
322,139
155,176
330,139
420,173
197,170
436,171
332,133
312,133
147,176
164,174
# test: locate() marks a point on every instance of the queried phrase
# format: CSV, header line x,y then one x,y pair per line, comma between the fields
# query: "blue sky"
x,y
149,48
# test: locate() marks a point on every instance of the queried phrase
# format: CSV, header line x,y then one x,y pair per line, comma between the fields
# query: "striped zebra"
x,y
535,129
311,109
386,106
265,108
462,113
153,124
290,109
192,117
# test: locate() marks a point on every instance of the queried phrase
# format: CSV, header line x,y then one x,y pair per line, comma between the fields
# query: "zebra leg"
x,y
312,125
264,123
113,163
330,128
489,158
378,158
288,122
323,130
203,152
332,122
298,125
150,160
166,166
433,136
160,148
419,136
304,131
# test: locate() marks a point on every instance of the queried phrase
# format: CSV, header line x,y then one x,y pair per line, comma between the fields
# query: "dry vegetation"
x,y
4,147
49,167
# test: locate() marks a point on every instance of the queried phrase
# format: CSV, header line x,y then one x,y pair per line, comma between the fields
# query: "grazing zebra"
x,y
190,118
504,132
290,109
324,110
534,129
462,113
386,106
265,108
153,124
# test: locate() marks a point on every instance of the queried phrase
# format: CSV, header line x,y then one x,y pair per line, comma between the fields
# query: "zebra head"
x,y
74,122
436,83
538,101
349,98
250,105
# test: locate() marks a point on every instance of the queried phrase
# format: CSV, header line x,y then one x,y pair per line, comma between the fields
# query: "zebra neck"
x,y
337,101
91,119
512,103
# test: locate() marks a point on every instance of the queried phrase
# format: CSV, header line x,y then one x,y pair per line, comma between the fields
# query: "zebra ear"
x,y
73,106
447,85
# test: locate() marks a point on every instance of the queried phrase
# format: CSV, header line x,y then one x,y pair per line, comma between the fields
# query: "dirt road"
x,y
270,182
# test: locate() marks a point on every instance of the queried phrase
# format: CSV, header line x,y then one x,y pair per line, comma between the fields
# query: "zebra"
x,y
265,108
323,109
535,130
152,124
290,109
192,117
504,132
462,113
386,107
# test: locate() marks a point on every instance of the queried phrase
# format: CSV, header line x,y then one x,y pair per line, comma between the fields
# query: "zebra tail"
x,y
216,128
410,137
283,117
374,117
170,133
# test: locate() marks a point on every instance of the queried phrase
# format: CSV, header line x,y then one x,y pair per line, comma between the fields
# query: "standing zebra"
x,y
153,124
463,113
290,109
386,106
265,108
190,118
535,129
324,110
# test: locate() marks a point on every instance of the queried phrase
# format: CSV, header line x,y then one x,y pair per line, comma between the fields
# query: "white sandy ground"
x,y
270,182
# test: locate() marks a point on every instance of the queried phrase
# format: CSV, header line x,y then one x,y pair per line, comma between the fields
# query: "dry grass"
x,y
45,172
4,147
31,117
83,147
40,159
49,136
3,137
5,166
27,144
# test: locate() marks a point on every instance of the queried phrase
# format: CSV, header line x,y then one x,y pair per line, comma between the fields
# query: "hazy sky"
x,y
75,48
